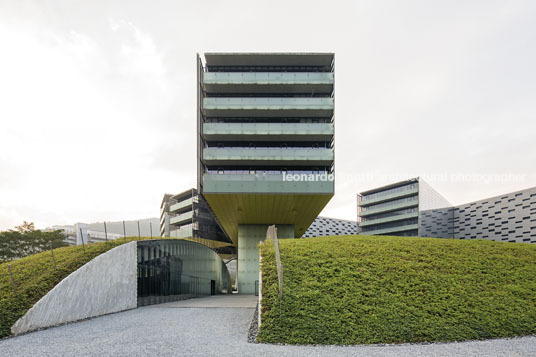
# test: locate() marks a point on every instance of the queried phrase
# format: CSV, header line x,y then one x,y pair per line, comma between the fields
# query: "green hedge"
x,y
35,275
363,289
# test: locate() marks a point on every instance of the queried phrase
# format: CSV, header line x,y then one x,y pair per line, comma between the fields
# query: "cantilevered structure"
x,y
187,216
263,117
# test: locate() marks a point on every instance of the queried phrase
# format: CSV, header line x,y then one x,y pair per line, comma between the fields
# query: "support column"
x,y
249,235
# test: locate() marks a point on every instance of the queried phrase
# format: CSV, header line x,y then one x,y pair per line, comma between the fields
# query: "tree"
x,y
25,227
26,240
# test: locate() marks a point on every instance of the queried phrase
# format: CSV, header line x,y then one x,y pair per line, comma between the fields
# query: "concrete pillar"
x,y
249,235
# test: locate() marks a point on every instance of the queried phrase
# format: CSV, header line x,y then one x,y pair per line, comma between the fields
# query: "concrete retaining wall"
x,y
104,285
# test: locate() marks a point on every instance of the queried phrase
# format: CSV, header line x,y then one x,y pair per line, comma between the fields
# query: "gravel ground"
x,y
254,326
223,331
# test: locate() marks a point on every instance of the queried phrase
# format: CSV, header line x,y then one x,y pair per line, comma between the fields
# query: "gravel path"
x,y
212,331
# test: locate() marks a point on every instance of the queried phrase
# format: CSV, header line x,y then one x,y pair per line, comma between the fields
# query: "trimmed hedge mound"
x,y
35,275
363,289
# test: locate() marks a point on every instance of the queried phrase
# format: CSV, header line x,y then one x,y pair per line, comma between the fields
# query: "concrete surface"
x,y
221,331
102,286
230,300
249,237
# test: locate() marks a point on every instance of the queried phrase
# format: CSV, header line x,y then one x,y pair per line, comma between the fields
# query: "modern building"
x,y
325,226
400,209
413,208
188,216
510,218
263,120
165,213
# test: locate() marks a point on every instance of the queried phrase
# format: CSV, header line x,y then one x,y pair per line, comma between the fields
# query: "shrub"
x,y
35,276
363,289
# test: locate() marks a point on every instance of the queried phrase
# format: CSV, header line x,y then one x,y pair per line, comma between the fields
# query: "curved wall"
x,y
162,270
102,286
176,269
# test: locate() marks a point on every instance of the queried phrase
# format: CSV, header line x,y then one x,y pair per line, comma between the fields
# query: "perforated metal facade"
x,y
324,226
510,218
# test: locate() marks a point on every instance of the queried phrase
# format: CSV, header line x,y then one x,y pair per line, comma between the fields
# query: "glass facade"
x,y
171,270
266,172
390,214
400,224
390,211
409,233
241,127
271,120
187,215
410,208
390,191
392,203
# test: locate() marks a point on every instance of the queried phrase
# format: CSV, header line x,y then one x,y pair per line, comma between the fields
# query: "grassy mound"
x,y
35,275
362,289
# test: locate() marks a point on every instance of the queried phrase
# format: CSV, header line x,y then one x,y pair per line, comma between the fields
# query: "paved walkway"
x,y
215,326
234,300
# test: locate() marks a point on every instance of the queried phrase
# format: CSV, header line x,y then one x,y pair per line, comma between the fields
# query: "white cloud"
x,y
97,100
82,136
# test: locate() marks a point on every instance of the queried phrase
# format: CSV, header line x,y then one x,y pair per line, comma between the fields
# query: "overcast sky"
x,y
97,98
